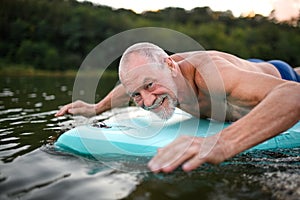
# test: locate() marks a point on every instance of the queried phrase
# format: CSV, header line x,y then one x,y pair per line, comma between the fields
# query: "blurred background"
x,y
40,36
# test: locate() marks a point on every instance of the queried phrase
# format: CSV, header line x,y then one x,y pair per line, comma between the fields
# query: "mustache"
x,y
156,103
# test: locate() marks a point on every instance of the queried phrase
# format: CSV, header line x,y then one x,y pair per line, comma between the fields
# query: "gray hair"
x,y
151,52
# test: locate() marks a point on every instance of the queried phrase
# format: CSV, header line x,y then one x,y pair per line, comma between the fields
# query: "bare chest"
x,y
221,109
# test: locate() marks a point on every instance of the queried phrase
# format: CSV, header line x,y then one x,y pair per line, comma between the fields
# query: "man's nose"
x,y
148,98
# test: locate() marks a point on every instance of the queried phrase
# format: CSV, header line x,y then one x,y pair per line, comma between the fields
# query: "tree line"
x,y
57,35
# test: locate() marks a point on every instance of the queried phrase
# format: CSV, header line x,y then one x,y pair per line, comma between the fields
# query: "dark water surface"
x,y
31,168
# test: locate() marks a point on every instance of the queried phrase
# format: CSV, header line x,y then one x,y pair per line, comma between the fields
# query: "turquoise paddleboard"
x,y
143,135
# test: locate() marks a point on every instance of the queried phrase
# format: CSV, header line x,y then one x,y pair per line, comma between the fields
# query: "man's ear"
x,y
171,64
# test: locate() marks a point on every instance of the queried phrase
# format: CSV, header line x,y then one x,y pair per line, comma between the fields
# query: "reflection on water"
x,y
46,176
30,168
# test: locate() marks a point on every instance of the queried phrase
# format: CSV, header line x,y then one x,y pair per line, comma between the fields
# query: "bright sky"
x,y
284,9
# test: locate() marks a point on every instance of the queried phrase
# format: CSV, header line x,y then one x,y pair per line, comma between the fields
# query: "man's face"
x,y
152,88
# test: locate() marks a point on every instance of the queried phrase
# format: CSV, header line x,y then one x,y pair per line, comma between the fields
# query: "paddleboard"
x,y
142,135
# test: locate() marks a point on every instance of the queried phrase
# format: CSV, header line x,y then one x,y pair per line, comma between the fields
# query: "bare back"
x,y
263,67
241,80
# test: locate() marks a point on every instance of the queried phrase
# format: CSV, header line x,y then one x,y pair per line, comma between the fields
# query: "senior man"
x,y
262,98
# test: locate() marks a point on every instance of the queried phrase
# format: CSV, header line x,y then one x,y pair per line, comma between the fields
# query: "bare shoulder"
x,y
246,84
185,55
263,67
220,72
237,77
209,62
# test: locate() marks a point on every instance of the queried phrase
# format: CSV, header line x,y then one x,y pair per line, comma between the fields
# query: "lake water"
x,y
31,168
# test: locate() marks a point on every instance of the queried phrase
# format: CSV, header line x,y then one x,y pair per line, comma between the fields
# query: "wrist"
x,y
237,138
102,106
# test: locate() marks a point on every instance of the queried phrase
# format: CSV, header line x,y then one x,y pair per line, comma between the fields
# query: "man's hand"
x,y
188,151
78,108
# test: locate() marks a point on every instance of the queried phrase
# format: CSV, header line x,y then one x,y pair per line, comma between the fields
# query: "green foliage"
x,y
57,35
38,54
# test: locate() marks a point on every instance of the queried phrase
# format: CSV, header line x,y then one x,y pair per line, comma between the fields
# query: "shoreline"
x,y
17,71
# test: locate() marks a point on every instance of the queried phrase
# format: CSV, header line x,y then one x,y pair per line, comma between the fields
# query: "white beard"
x,y
166,112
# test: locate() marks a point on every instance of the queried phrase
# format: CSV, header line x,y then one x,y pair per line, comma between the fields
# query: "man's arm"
x,y
276,113
278,110
116,98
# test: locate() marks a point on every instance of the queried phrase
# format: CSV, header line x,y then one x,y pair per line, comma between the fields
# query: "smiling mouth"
x,y
157,103
157,107
161,103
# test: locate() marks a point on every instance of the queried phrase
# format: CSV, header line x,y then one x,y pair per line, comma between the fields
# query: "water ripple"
x,y
6,93
12,110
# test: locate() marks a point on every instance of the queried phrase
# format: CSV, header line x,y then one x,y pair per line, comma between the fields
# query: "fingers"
x,y
192,164
64,110
166,161
77,107
190,152
176,153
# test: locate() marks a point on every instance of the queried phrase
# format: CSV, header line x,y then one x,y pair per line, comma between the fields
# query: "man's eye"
x,y
135,96
149,85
